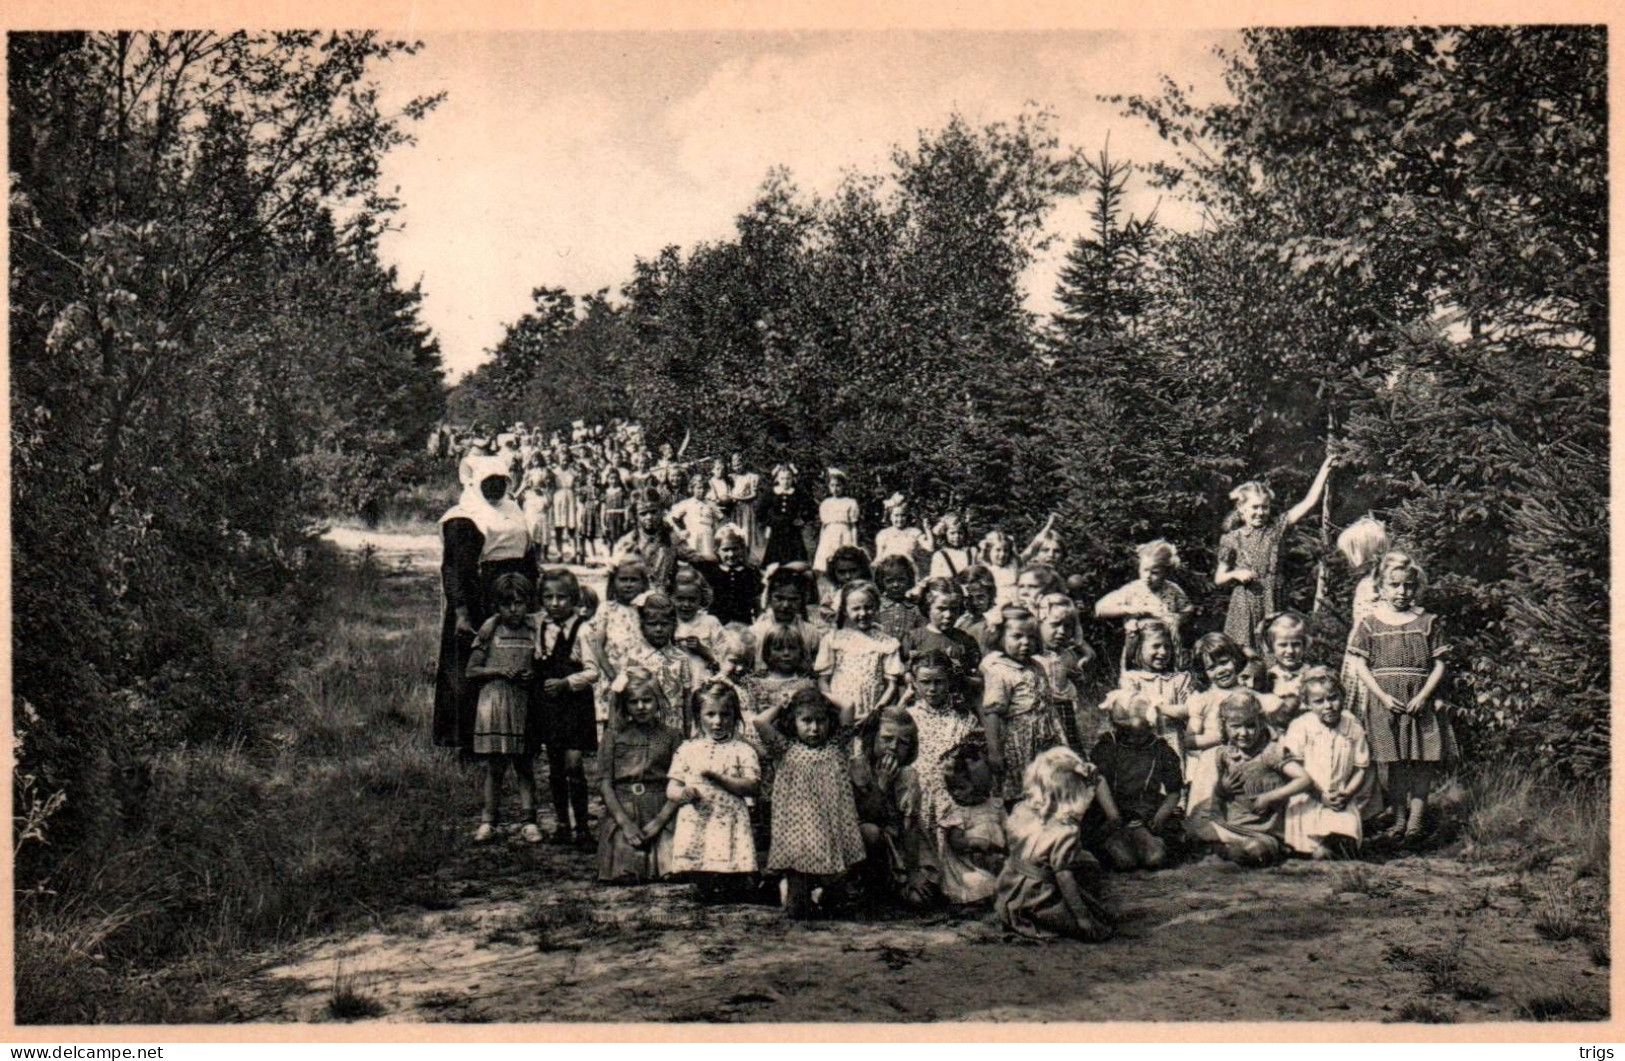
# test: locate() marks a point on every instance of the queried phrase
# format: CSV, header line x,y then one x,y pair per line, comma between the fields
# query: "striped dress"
x,y
1400,658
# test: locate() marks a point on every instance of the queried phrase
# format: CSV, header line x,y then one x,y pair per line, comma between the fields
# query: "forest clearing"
x,y
521,933
302,378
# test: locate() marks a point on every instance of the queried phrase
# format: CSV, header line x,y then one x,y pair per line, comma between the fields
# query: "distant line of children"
x,y
929,727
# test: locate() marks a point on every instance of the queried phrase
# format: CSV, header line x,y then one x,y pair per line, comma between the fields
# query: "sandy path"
x,y
513,933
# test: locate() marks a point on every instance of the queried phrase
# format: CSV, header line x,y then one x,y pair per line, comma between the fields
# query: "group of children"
x,y
928,726
580,491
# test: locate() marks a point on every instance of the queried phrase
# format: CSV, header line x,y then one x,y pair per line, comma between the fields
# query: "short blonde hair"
x,y
1394,560
1318,675
1058,784
1362,541
1159,551
1252,488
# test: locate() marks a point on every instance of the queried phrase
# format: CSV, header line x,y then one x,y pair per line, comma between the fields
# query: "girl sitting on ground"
x,y
944,717
1245,820
901,861
970,823
1142,775
1049,885
1219,662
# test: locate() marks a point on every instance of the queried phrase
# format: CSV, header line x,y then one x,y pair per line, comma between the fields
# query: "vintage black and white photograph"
x,y
826,526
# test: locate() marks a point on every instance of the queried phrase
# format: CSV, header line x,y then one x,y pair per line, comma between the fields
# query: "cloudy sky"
x,y
558,158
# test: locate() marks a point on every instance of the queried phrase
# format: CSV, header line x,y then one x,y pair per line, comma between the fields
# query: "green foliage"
x,y
1402,262
325,803
204,360
1406,252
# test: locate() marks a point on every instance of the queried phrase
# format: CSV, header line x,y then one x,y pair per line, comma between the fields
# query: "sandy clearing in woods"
x,y
513,933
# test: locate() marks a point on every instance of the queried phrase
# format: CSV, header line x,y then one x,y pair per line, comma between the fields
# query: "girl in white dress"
x,y
899,539
696,517
838,519
711,776
1330,746
536,499
859,667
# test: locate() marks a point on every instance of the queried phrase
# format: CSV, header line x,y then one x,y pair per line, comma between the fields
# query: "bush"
x,y
317,800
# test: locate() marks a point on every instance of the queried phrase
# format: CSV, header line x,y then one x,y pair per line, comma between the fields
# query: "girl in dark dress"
x,y
485,536
784,514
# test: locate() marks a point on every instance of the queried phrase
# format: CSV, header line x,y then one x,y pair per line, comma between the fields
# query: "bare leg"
x,y
524,772
493,789
1421,780
1149,851
577,776
1399,789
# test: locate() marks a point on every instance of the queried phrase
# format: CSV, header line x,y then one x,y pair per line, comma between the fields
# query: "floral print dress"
x,y
1018,694
859,667
1259,551
712,834
940,731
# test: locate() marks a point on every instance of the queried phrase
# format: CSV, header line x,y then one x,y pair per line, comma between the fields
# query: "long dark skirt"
x,y
455,697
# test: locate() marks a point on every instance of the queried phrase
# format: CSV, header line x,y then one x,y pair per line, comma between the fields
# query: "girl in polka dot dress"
x,y
816,838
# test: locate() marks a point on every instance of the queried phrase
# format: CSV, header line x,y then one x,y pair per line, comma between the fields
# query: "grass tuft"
x,y
1564,1005
1512,816
1556,917
348,999
1362,879
1442,969
1422,1011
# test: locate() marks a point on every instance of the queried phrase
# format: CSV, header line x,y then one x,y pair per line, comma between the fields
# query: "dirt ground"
x,y
515,933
